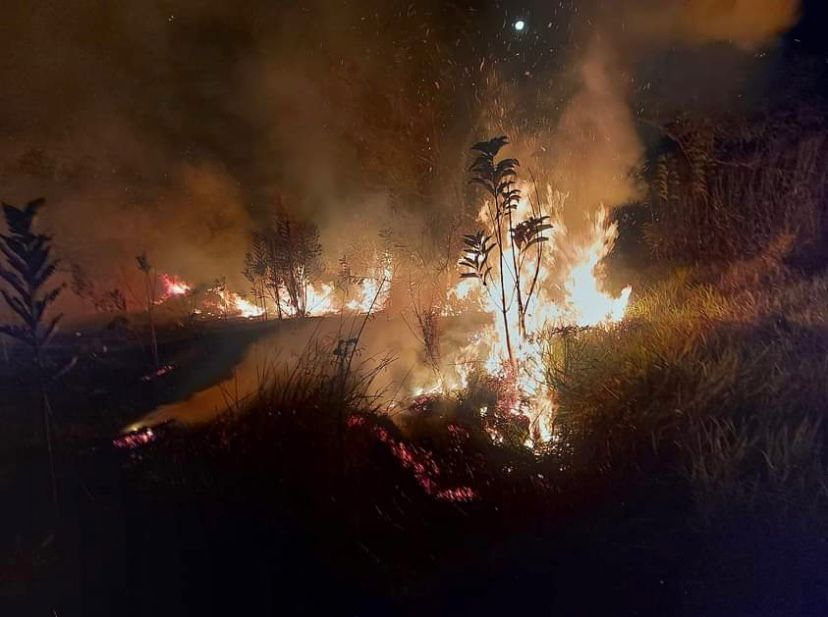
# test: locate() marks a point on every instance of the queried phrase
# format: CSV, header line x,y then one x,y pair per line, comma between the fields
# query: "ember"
x,y
135,439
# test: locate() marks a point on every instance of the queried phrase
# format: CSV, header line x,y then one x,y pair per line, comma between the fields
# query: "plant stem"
x,y
503,309
150,284
47,427
521,322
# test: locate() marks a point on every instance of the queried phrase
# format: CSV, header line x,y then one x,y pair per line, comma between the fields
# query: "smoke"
x,y
179,127
594,150
748,24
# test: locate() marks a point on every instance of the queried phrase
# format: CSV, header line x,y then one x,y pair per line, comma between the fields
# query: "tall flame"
x,y
578,301
585,303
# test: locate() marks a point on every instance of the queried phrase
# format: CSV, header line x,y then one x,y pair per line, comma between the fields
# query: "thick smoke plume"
x,y
179,128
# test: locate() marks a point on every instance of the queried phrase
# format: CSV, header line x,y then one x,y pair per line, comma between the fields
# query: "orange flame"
x,y
174,286
584,303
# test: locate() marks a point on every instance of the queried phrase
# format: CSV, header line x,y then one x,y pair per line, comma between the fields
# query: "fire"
x,y
321,300
585,304
363,295
569,294
242,307
174,286
368,294
507,350
374,291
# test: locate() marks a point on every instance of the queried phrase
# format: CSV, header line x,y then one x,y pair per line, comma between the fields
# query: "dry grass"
x,y
719,384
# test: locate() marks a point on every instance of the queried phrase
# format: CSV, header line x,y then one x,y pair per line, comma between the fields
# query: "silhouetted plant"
x,y
297,259
111,301
344,279
255,271
220,289
107,301
283,258
725,189
476,258
149,287
27,271
499,179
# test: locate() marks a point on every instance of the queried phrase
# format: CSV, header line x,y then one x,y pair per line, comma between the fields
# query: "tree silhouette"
x,y
284,257
255,271
296,255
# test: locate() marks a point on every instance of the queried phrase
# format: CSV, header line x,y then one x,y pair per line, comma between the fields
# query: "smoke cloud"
x,y
594,150
745,23
179,127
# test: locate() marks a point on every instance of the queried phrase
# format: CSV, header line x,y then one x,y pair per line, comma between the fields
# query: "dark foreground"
x,y
311,504
129,546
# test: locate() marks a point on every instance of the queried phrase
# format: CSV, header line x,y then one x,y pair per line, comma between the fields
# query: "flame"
x,y
363,295
321,300
567,293
174,286
374,292
565,276
242,307
585,303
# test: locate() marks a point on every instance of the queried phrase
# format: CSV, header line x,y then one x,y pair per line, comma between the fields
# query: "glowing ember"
x,y
135,439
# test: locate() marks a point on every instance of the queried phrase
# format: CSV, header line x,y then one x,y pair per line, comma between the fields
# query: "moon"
x,y
520,25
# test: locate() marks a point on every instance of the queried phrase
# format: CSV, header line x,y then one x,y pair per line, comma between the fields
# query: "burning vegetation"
x,y
504,277
304,300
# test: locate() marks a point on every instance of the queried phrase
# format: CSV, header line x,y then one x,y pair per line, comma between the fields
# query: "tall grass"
x,y
716,385
726,187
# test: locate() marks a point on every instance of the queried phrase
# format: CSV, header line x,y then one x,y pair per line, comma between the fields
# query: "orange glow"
x,y
568,258
174,286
